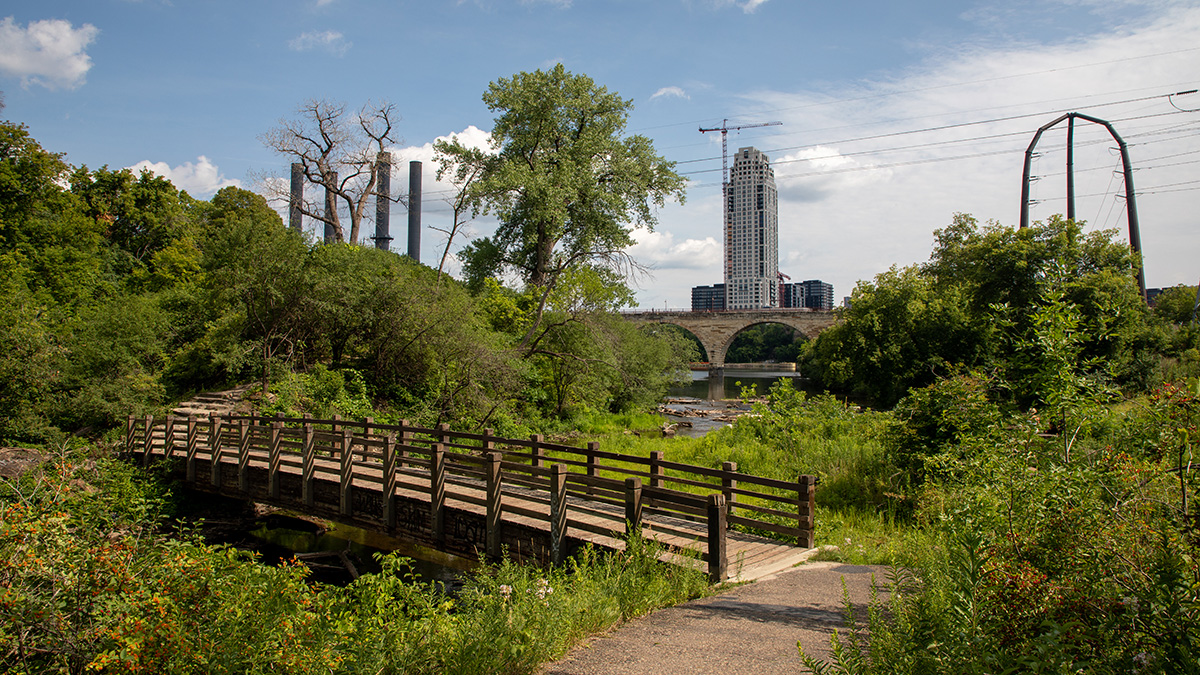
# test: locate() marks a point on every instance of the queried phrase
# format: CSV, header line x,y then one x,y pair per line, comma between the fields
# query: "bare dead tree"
x,y
337,151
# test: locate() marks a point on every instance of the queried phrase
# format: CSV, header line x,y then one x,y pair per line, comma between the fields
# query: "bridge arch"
x,y
716,330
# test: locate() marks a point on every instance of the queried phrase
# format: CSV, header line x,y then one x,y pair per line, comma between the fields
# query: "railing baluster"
x,y
717,525
214,449
190,449
308,454
406,439
806,512
535,448
437,492
728,485
656,470
389,481
495,505
169,437
593,470
243,455
558,513
148,440
130,430
633,506
273,459
346,477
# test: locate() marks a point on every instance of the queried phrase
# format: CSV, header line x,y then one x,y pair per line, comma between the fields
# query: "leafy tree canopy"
x,y
564,181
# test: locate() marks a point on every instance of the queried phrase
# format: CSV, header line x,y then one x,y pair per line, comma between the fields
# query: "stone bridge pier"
x,y
716,330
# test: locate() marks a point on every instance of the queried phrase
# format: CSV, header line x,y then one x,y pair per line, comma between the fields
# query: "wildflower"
x,y
505,591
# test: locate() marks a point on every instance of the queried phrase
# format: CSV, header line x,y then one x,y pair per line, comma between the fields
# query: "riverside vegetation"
x,y
1026,464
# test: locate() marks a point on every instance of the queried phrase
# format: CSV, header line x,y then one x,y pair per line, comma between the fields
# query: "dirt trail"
x,y
750,629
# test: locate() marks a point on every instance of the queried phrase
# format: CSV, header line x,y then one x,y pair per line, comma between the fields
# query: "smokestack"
x,y
295,218
414,211
383,202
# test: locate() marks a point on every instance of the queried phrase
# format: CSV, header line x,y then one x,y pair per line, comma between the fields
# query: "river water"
x,y
711,401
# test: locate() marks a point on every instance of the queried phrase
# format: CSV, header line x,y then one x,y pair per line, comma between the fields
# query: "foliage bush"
x,y
90,580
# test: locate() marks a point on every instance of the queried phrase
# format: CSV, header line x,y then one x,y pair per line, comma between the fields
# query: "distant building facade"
x,y
751,233
791,295
817,294
708,298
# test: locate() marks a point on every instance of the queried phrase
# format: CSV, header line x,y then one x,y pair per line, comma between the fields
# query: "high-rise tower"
x,y
751,233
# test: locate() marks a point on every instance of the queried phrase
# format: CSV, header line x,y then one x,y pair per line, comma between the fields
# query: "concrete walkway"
x,y
750,629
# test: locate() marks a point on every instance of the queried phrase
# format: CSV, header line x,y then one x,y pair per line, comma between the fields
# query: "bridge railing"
x,y
571,487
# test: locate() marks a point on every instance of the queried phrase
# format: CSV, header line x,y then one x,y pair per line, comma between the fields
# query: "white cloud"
x,y
676,92
51,53
751,5
329,40
659,251
199,180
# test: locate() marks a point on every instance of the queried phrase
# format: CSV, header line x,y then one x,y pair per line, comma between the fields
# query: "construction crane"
x,y
725,129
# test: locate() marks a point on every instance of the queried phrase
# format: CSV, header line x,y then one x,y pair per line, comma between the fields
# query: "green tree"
x,y
1176,304
140,215
978,301
260,267
563,180
900,331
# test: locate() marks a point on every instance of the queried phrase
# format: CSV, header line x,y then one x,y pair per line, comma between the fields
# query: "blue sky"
x,y
895,115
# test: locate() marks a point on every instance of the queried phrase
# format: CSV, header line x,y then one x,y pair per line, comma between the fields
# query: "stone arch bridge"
x,y
716,329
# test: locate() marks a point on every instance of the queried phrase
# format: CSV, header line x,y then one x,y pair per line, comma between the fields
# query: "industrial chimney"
x,y
414,210
383,202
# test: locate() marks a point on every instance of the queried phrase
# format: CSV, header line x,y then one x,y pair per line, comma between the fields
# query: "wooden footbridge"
x,y
469,493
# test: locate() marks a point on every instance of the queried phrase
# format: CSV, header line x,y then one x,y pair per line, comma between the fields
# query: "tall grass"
x,y
861,515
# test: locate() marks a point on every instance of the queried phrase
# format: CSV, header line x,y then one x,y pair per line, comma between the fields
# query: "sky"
x,y
895,115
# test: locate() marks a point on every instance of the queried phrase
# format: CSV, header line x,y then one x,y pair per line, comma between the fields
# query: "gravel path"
x,y
749,629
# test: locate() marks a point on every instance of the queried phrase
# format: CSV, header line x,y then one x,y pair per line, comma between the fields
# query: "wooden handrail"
x,y
380,454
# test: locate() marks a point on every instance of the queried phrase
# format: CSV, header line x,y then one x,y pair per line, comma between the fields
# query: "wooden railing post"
x,y
656,470
308,454
273,459
443,431
389,481
214,449
717,565
593,469
368,422
406,439
558,513
148,440
169,437
806,494
189,450
243,455
346,475
535,449
495,505
335,427
633,506
489,444
437,492
728,485
130,430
